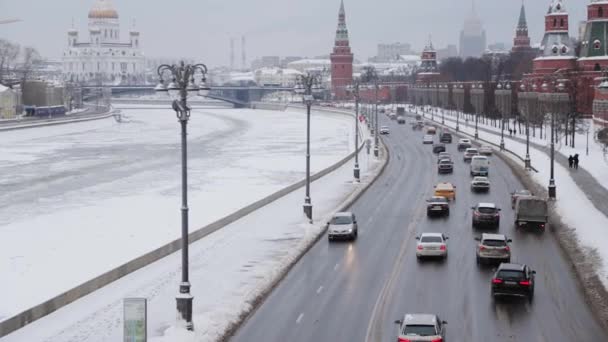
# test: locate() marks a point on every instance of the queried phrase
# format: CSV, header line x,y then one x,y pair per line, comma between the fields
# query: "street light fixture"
x,y
183,85
354,89
528,99
307,85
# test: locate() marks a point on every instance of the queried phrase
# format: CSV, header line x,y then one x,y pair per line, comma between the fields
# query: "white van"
x,y
480,166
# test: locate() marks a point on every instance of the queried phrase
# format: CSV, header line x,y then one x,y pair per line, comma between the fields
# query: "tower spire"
x,y
522,23
342,30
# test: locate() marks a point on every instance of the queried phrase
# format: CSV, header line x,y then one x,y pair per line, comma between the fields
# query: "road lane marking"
x,y
299,318
320,289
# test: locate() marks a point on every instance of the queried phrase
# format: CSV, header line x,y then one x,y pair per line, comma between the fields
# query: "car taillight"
x,y
481,248
420,247
403,340
442,247
475,213
437,340
507,249
497,215
524,283
496,281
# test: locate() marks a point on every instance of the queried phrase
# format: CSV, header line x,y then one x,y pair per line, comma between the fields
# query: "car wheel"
x,y
448,213
530,297
478,260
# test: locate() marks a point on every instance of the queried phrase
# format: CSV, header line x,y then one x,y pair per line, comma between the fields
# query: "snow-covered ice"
x,y
229,270
80,199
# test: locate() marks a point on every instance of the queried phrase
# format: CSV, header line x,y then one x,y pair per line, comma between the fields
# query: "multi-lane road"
x,y
355,291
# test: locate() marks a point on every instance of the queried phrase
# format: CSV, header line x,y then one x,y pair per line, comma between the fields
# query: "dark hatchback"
x,y
438,148
513,280
437,206
446,138
487,215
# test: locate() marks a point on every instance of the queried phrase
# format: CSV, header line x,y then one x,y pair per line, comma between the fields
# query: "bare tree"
x,y
30,58
8,57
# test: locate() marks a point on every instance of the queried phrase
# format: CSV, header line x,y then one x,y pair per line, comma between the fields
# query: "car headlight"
x,y
350,230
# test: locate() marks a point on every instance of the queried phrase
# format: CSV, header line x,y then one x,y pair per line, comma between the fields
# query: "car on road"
x,y
437,206
401,120
342,226
493,248
463,144
384,130
438,148
486,150
445,189
445,165
486,215
480,184
445,138
431,130
427,139
421,327
513,280
480,166
531,212
432,245
444,154
469,153
517,194
392,116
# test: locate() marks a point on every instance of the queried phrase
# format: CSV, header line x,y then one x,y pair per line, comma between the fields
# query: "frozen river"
x,y
77,200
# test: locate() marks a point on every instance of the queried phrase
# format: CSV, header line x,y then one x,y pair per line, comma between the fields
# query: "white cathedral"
x,y
104,59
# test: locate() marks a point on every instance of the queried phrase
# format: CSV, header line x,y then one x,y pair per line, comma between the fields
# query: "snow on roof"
x,y
3,88
310,61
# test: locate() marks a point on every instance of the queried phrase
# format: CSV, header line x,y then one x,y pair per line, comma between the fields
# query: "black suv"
x,y
513,280
437,205
486,214
446,138
437,148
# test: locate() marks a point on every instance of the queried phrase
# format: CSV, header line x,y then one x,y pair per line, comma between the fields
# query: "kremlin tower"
x,y
341,59
521,43
557,52
594,47
428,65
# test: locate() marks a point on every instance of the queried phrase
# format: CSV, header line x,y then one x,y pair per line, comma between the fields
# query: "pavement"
x,y
355,291
594,190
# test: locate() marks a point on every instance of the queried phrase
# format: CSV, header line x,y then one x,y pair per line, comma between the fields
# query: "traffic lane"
x,y
338,282
458,290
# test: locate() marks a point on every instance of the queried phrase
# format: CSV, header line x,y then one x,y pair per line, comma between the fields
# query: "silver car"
x,y
432,245
427,139
342,226
469,153
480,184
421,327
494,248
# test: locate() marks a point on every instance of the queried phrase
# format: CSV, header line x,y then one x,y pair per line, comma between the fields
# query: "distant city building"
x,y
472,36
391,52
341,59
449,51
266,62
312,64
285,61
104,58
8,102
276,77
497,47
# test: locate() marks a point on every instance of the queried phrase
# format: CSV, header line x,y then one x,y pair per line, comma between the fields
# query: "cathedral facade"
x,y
103,58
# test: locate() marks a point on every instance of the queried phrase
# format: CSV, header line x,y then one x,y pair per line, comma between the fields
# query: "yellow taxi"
x,y
446,189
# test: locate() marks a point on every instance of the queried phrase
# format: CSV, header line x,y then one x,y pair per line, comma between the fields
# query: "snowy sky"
x,y
274,27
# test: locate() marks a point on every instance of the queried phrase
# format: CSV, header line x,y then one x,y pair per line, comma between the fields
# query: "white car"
x,y
342,226
480,184
427,139
469,154
486,150
432,245
463,144
421,327
384,130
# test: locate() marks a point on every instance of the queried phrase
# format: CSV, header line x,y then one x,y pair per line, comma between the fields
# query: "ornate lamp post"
x,y
183,84
354,89
504,104
307,85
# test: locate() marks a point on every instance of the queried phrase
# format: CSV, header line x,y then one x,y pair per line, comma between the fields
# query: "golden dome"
x,y
103,9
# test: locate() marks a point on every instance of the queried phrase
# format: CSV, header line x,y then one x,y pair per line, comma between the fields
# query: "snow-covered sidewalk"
x,y
577,211
230,270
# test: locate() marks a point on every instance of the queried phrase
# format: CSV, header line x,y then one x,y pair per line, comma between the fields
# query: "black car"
x,y
445,138
513,280
438,148
437,206
486,215
445,165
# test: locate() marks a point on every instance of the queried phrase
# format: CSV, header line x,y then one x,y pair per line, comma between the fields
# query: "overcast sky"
x,y
203,28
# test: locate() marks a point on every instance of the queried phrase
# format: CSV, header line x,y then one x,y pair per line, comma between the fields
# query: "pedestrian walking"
x,y
570,161
576,161
510,132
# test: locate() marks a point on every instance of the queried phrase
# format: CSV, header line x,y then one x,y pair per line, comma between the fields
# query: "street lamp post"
x,y
355,91
376,138
307,85
183,84
527,99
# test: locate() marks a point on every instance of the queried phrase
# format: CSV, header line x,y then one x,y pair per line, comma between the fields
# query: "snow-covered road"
x,y
80,199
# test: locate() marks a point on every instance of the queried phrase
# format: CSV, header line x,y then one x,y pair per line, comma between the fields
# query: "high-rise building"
x,y
341,59
472,36
449,51
391,52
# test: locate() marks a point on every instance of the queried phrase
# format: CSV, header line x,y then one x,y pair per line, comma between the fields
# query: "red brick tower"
x,y
521,43
341,59
557,52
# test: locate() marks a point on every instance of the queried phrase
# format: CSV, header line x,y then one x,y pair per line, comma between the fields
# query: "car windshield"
x,y
341,220
485,210
431,239
445,161
511,274
494,243
419,330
